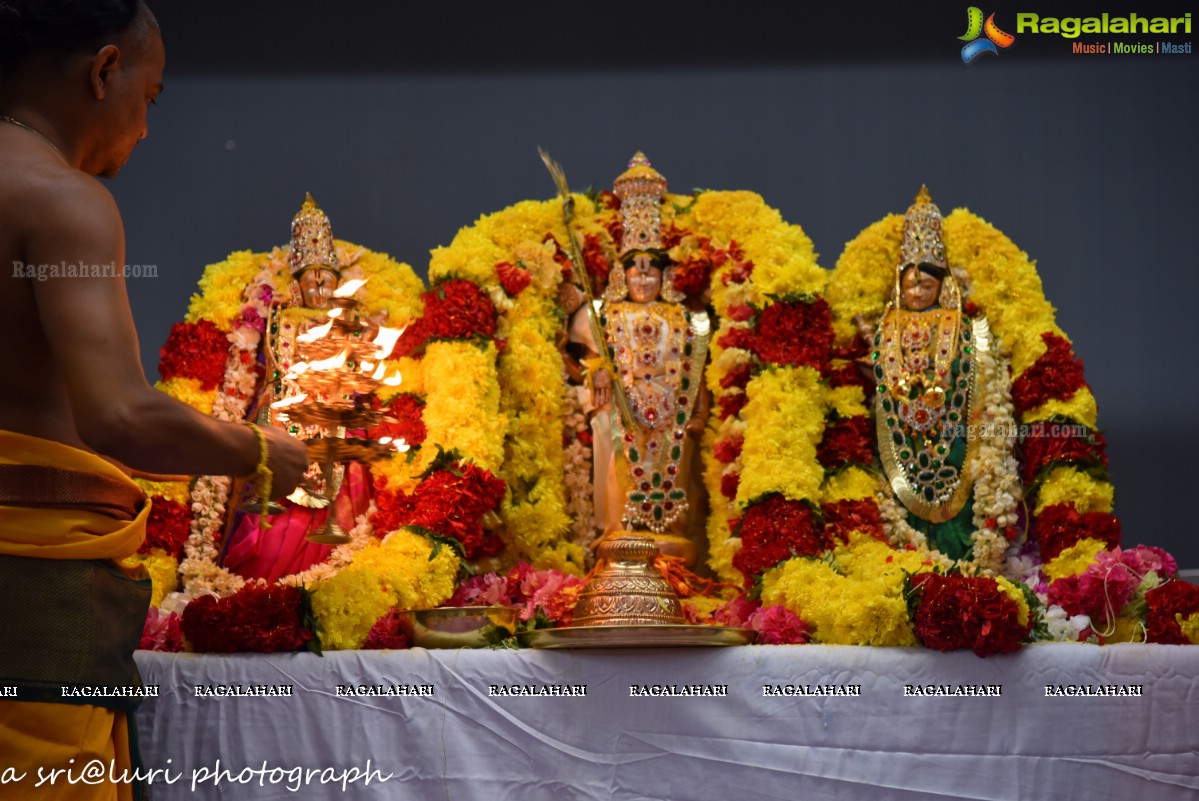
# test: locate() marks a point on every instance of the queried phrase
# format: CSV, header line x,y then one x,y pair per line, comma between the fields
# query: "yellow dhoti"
x,y
70,618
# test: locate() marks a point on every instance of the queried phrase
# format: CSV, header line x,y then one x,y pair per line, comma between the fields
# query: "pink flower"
x,y
777,625
161,632
736,613
486,590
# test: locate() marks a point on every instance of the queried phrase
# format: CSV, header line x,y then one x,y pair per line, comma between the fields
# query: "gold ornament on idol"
x,y
923,406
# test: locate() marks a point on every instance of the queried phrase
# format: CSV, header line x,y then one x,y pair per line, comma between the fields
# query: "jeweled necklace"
x,y
44,138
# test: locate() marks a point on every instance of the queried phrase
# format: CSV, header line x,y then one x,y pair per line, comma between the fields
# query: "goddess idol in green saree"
x,y
925,365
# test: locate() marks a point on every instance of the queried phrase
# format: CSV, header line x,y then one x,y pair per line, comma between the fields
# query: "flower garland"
x,y
767,353
494,375
853,596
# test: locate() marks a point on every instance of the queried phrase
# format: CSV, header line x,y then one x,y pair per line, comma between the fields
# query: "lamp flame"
x,y
349,288
292,401
313,334
385,340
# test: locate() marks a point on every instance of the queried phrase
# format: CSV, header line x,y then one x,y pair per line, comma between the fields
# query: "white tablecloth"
x,y
463,744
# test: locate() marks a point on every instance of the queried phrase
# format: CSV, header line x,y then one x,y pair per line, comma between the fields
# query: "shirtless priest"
x,y
76,412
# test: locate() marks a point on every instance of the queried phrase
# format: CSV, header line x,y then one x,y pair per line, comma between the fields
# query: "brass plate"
x,y
663,636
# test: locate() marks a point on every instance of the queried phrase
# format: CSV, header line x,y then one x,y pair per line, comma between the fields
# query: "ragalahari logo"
x,y
976,44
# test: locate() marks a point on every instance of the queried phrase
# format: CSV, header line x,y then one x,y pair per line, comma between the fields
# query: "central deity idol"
x,y
658,349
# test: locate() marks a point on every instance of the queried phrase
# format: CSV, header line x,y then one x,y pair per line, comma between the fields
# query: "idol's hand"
x,y
601,386
287,458
865,330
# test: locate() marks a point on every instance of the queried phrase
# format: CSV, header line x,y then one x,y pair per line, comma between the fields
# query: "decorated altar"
x,y
902,451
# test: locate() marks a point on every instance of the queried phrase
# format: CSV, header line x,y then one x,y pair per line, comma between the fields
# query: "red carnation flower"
x,y
595,259
195,350
1056,375
740,312
729,482
732,404
514,279
737,337
848,375
1060,526
1047,446
1165,603
773,530
848,440
411,340
726,451
452,503
391,631
795,334
957,612
843,517
407,423
738,377
261,618
167,527
458,309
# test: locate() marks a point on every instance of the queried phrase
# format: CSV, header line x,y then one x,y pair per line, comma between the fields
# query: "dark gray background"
x,y
407,127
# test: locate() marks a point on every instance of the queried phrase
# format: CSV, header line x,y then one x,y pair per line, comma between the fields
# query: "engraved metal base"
x,y
626,590
653,636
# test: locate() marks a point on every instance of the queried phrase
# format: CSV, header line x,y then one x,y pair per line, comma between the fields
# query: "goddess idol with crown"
x,y
941,393
643,457
285,544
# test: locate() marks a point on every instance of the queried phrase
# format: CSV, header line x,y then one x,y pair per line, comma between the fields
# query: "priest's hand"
x,y
287,458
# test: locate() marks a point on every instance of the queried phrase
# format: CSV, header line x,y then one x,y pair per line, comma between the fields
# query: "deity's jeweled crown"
x,y
640,189
312,240
922,242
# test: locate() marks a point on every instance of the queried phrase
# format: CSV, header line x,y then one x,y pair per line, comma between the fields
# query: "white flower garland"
x,y
580,493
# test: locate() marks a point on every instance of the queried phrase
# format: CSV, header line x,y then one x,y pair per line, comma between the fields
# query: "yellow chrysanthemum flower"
x,y
1017,595
1071,485
397,572
163,570
188,391
1074,561
1189,626
851,484
784,423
